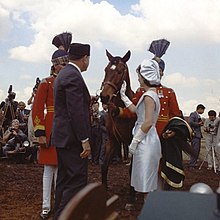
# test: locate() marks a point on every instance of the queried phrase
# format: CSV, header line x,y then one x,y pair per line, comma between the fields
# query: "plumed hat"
x,y
78,50
150,71
64,39
59,57
159,48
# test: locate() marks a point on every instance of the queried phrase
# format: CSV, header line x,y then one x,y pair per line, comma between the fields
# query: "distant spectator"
x,y
196,123
14,137
22,116
217,147
104,133
210,136
96,137
8,108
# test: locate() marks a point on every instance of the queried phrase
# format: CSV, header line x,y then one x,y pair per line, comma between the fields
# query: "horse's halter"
x,y
115,87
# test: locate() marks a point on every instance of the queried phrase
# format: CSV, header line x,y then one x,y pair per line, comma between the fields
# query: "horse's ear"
x,y
110,57
126,56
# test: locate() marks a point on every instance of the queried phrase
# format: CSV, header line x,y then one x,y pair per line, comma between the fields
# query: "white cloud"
x,y
179,79
2,95
5,23
26,76
185,23
185,20
24,95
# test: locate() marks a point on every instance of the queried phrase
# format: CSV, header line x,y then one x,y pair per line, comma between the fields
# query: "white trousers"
x,y
210,142
50,174
31,136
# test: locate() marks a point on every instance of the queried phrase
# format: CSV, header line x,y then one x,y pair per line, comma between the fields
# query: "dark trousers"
x,y
196,144
96,141
71,178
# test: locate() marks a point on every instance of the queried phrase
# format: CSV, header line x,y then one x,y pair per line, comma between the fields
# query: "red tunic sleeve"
x,y
38,116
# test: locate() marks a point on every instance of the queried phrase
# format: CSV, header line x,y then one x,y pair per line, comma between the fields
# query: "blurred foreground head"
x,y
201,188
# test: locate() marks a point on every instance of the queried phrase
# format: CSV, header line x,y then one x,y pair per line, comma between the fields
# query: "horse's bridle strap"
x,y
111,84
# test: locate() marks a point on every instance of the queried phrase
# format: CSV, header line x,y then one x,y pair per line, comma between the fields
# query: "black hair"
x,y
212,113
200,106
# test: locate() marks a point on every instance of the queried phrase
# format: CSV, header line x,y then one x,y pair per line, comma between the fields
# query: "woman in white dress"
x,y
145,145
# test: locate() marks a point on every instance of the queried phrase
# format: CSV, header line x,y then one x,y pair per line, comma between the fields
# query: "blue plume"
x,y
63,39
159,47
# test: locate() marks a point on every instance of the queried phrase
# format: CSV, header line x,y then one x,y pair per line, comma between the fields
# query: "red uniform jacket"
x,y
168,106
42,115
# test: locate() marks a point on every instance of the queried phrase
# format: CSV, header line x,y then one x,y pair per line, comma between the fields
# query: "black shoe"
x,y
45,214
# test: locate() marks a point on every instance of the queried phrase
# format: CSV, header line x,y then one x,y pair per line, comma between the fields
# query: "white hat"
x,y
150,71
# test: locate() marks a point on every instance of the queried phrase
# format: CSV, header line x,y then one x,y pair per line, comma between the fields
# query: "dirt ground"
x,y
21,188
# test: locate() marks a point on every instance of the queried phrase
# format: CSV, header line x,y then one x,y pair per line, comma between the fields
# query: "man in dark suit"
x,y
196,123
71,126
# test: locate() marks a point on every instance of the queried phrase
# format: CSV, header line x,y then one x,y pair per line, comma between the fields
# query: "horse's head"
x,y
115,73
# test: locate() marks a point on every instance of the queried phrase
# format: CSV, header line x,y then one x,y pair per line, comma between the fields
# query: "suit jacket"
x,y
193,122
71,108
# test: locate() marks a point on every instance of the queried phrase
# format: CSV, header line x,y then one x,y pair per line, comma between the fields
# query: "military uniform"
x,y
43,122
168,106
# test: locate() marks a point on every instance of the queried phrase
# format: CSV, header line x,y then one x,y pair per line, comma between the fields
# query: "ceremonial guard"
x,y
168,102
43,126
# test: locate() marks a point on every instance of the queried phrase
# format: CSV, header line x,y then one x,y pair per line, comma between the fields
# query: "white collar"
x,y
75,66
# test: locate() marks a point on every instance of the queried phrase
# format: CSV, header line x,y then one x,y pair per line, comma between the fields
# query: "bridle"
x,y
117,90
115,87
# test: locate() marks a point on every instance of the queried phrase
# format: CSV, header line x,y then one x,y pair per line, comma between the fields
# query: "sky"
x,y
192,27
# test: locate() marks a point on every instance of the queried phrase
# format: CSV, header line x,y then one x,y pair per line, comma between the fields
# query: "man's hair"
x,y
212,113
14,121
21,103
200,106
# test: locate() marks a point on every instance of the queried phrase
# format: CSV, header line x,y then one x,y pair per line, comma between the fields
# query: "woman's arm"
x,y
149,114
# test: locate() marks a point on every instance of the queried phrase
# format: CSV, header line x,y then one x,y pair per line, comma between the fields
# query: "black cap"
x,y
78,50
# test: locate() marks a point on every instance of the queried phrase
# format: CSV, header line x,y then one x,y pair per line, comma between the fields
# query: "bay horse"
x,y
119,129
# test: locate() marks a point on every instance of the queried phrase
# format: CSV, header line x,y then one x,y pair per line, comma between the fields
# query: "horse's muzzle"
x,y
105,99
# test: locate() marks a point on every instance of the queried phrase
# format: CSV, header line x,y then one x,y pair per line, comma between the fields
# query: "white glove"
x,y
138,137
124,98
132,147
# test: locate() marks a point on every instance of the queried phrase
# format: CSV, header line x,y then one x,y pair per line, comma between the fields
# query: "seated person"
x,y
14,137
